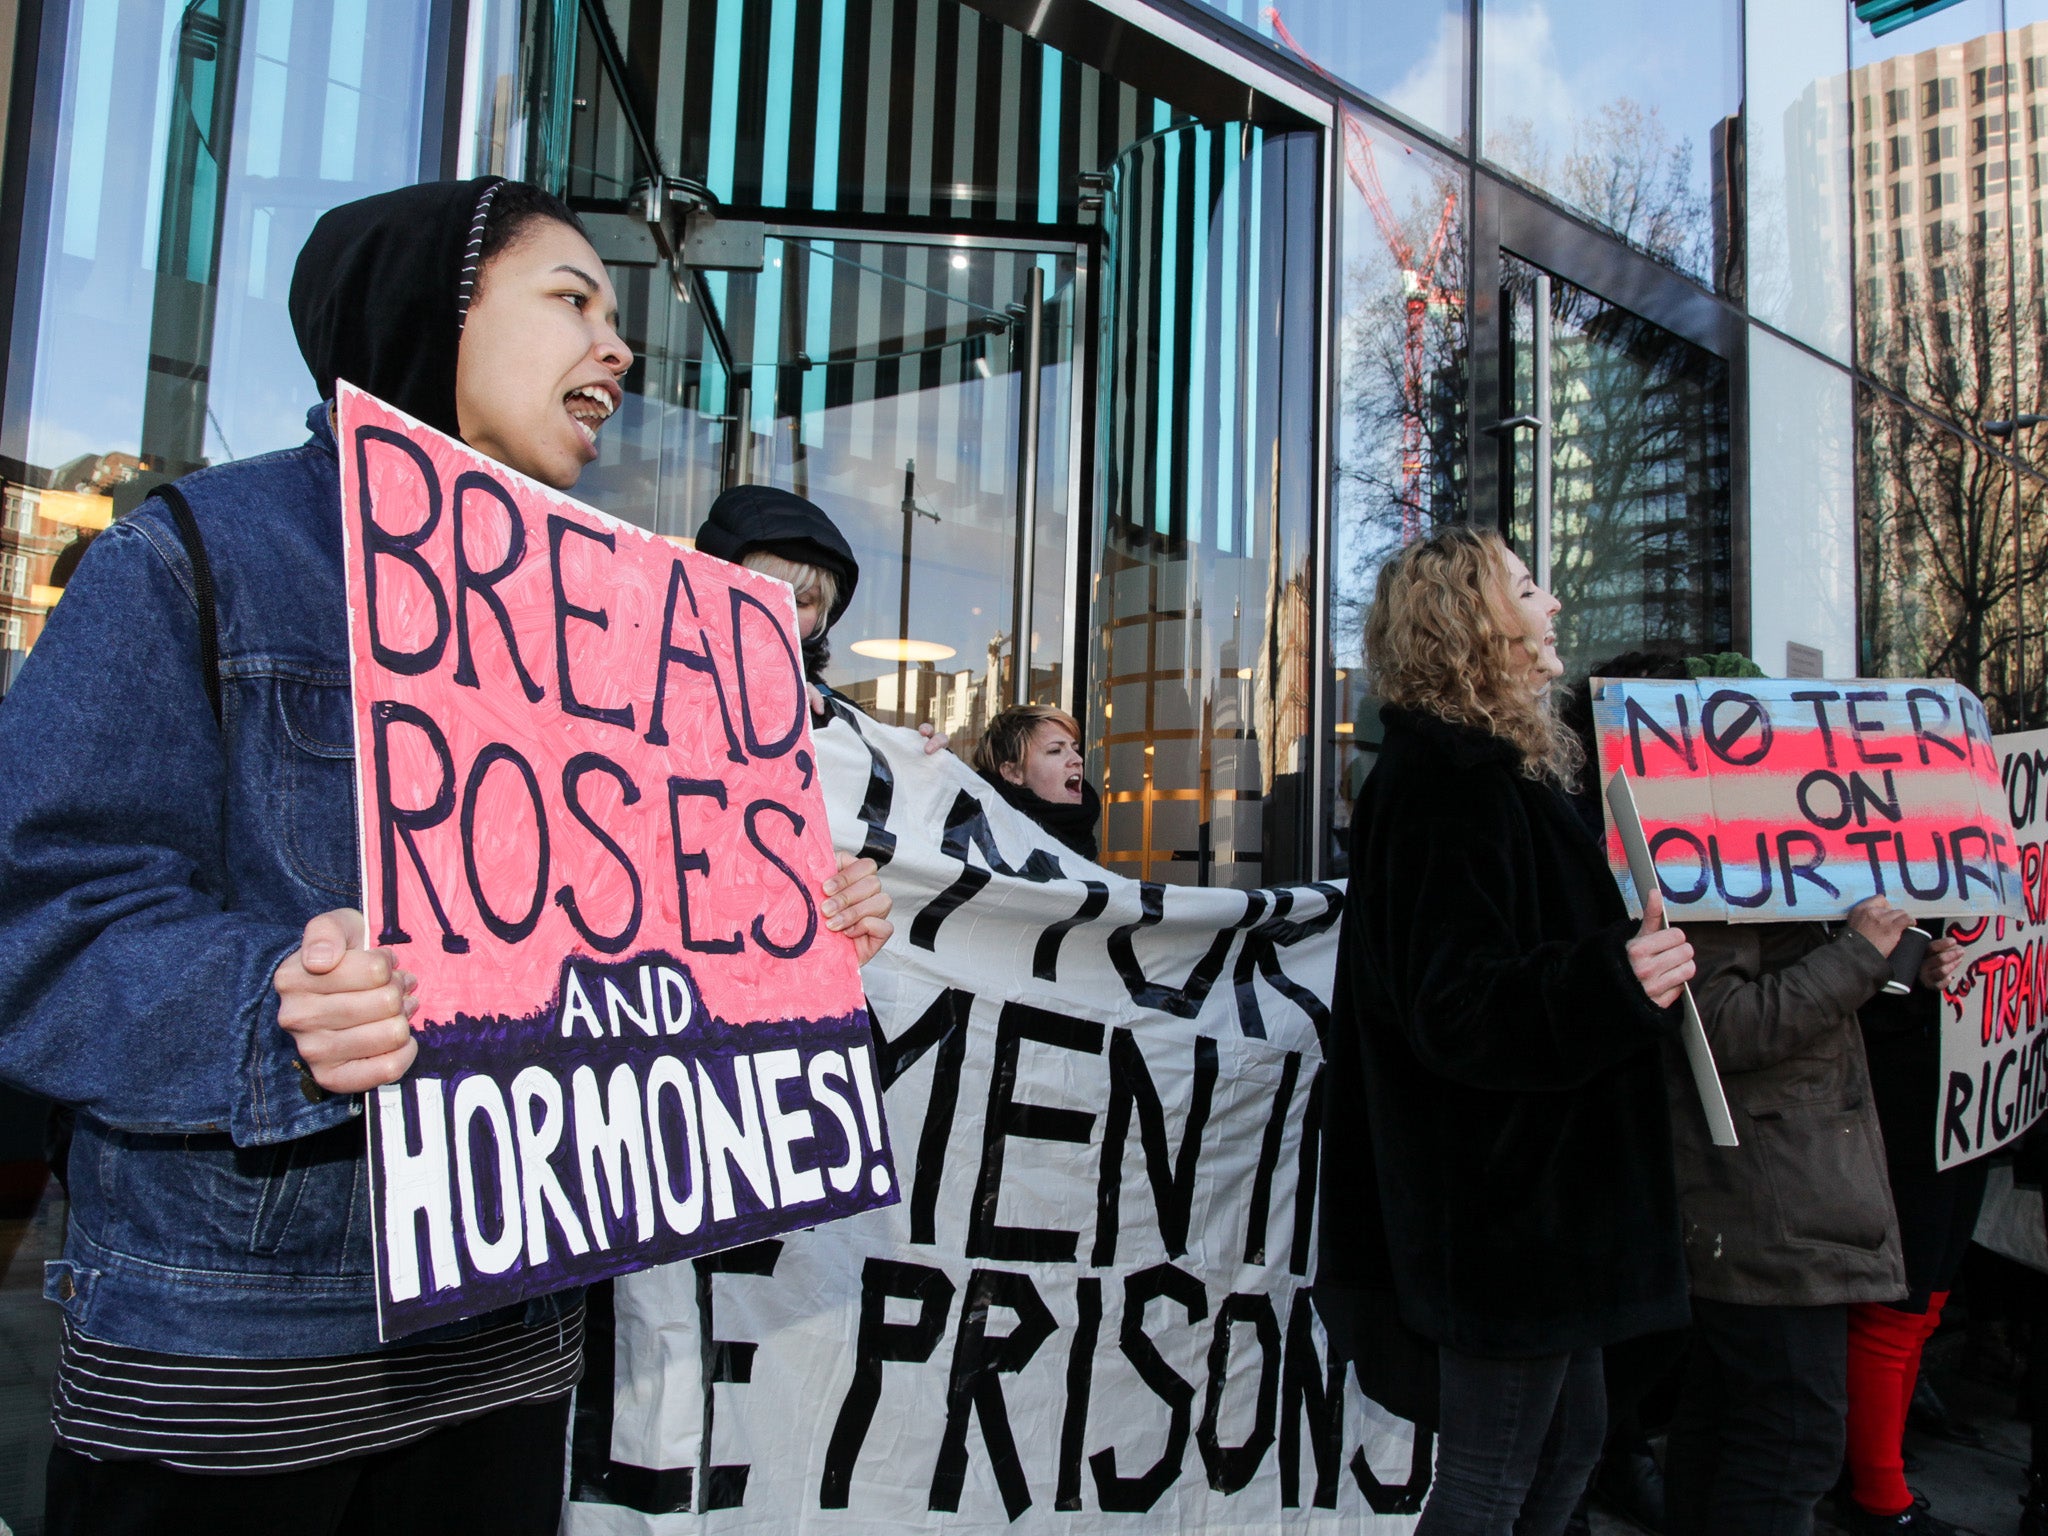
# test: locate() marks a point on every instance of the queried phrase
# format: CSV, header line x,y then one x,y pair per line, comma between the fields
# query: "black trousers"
x,y
502,1473
1757,1439
1516,1441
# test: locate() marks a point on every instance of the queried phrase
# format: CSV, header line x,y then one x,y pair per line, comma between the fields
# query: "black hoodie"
x,y
381,289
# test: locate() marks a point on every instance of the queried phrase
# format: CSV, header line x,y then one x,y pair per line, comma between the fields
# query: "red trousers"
x,y
1884,1363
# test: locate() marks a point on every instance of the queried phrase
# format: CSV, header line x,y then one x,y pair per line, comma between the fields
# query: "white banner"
x,y
1089,1312
1994,1050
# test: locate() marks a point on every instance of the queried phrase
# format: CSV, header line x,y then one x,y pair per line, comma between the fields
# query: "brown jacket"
x,y
1800,1214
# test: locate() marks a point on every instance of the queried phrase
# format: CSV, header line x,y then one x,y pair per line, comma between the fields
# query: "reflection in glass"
x,y
1802,507
1401,415
1626,113
185,151
2026,62
1204,619
1943,575
1797,132
907,110
882,379
1640,522
1409,57
1941,116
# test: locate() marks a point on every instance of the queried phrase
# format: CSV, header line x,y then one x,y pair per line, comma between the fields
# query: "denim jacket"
x,y
154,871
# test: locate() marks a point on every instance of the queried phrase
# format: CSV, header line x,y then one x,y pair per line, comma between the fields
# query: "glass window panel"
x,y
1942,573
2030,713
2026,53
882,379
908,108
1204,631
1623,111
1640,465
1802,508
1412,58
1938,139
1401,415
189,149
492,124
1797,132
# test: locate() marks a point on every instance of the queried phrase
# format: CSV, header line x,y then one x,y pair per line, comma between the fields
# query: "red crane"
x,y
1420,288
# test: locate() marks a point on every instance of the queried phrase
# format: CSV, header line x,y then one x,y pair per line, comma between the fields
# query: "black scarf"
x,y
381,289
1073,825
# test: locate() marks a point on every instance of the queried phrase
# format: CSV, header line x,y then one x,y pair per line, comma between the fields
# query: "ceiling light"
x,y
959,262
903,650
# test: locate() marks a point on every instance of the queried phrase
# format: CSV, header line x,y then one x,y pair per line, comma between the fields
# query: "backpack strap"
x,y
202,590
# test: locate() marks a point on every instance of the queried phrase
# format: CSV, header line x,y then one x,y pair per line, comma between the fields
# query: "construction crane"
x,y
1420,290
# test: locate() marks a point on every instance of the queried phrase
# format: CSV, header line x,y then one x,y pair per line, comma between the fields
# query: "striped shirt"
x,y
205,1414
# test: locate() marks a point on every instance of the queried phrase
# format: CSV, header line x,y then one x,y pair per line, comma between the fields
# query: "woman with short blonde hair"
x,y
1498,1149
1031,755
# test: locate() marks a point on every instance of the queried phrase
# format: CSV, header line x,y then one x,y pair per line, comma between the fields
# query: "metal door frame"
x,y
1079,386
1507,219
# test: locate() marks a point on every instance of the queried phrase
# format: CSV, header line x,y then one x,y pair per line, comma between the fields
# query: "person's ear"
x,y
1012,774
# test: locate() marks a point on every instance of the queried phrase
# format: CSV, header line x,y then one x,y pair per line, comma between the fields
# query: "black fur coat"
x,y
1498,1149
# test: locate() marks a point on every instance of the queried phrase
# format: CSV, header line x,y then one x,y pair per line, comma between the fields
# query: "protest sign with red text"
x,y
1773,800
1994,1051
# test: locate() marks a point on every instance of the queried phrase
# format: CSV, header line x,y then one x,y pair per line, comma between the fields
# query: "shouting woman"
x,y
182,961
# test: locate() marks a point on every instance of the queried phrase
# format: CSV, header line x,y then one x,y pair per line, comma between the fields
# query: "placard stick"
x,y
1706,1077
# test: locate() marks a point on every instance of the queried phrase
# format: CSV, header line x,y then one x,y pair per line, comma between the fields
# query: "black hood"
x,y
380,291
762,517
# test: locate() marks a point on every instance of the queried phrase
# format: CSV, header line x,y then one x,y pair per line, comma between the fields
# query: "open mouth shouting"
x,y
590,406
1072,784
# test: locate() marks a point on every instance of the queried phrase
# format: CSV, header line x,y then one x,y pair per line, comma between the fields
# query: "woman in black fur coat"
x,y
1500,1022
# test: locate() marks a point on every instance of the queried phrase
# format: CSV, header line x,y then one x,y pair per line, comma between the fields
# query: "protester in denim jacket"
x,y
181,962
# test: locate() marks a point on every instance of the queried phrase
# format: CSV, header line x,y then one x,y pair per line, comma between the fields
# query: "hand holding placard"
x,y
348,1009
1699,1054
1659,954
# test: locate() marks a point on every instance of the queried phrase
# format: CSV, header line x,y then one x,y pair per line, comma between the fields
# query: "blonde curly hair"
x,y
1444,636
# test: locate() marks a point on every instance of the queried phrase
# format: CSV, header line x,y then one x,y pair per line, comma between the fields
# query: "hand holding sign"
x,y
348,1009
1660,956
857,906
1879,923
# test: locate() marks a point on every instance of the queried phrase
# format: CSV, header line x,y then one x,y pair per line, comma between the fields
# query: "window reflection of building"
x,y
1401,446
1640,529
43,533
1948,153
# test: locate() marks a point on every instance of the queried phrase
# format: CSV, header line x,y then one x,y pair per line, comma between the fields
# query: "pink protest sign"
x,y
590,824
1767,800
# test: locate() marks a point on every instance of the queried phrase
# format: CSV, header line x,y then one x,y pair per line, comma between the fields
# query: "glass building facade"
x,y
1126,342
1127,338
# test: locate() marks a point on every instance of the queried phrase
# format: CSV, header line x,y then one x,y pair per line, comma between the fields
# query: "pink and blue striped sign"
x,y
1772,800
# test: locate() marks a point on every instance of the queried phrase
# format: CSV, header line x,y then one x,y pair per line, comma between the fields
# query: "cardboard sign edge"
x,y
1699,1051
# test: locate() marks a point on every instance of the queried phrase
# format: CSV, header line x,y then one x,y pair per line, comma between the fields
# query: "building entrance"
x,y
1048,351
